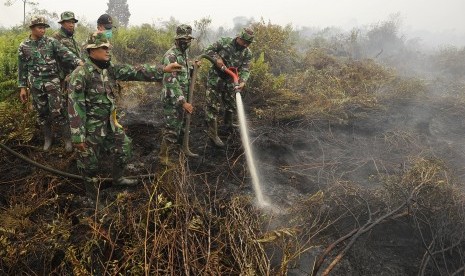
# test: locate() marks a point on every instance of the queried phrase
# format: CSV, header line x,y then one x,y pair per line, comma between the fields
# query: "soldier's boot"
x,y
229,121
66,134
213,133
47,130
119,179
91,187
165,153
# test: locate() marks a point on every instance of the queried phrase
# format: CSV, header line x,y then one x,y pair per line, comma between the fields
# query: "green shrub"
x,y
141,44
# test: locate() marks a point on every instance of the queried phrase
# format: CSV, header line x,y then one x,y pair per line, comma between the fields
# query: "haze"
x,y
433,20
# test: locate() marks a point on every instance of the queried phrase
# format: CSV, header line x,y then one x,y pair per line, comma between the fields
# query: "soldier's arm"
x,y
171,86
65,55
244,69
145,72
22,68
77,105
214,49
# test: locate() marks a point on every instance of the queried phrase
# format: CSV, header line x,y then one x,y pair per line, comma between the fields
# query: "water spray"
x,y
232,72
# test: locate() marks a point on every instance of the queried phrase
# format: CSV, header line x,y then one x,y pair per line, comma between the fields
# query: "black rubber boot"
x,y
213,133
229,120
119,179
66,134
47,130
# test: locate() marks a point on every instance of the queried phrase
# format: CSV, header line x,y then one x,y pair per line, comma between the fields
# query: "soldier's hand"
x,y
241,86
172,67
220,63
188,107
80,146
23,95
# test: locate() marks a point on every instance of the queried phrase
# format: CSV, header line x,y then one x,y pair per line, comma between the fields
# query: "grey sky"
x,y
435,16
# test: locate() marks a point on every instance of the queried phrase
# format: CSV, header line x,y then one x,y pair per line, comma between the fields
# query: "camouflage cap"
x,y
67,16
246,34
97,40
38,20
184,31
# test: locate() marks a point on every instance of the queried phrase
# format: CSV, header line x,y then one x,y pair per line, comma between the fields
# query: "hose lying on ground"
x,y
62,173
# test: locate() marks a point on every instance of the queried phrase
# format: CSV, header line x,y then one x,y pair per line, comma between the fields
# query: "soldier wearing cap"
x,y
66,36
229,52
66,33
92,110
175,91
38,58
105,25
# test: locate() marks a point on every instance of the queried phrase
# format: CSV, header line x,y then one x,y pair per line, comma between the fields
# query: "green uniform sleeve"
x,y
22,68
65,55
145,72
77,105
213,49
244,70
171,85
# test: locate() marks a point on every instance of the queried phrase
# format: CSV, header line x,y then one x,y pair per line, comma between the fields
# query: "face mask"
x,y
68,33
108,33
239,47
184,45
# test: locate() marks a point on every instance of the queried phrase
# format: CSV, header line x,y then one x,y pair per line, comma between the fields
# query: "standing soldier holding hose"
x,y
38,58
175,90
228,52
92,110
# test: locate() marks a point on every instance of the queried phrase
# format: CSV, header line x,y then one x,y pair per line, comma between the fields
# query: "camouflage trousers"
x,y
174,120
219,91
113,141
49,103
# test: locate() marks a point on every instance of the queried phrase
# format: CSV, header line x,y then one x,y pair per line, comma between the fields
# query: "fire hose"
x,y
58,172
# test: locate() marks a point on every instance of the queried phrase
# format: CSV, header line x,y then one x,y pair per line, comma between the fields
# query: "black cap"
x,y
106,21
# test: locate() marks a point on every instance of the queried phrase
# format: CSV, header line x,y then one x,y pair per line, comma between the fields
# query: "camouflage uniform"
x,y
219,85
175,91
92,103
68,41
38,69
176,87
220,88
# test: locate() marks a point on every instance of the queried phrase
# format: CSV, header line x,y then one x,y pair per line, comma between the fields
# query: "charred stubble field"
x,y
296,162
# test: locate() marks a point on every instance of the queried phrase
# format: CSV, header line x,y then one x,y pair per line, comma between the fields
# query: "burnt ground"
x,y
297,159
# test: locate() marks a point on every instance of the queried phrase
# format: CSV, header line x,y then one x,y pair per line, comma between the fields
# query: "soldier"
x,y
229,52
175,91
66,33
38,58
66,36
92,111
105,25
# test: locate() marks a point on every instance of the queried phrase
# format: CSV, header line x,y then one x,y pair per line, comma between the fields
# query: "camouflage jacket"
x,y
176,84
37,61
70,43
232,57
92,90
